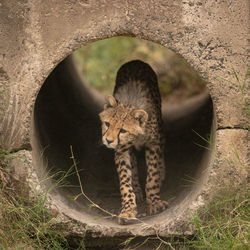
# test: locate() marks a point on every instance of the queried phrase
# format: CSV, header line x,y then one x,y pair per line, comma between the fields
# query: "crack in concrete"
x,y
231,128
25,148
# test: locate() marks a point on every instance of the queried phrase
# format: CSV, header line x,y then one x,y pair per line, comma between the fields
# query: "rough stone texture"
x,y
36,35
232,159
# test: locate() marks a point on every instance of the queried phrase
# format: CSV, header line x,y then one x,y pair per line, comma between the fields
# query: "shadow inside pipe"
x,y
66,113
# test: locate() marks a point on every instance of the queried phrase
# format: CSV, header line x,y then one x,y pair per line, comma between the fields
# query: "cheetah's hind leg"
x,y
153,182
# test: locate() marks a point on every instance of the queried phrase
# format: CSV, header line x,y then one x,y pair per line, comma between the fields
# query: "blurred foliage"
x,y
100,61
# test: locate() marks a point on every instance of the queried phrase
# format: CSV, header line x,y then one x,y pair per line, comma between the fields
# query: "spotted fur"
x,y
132,119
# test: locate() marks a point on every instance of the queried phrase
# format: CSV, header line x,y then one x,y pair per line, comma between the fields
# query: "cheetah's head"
x,y
121,124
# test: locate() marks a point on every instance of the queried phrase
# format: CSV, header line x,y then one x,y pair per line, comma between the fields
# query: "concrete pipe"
x,y
66,113
45,106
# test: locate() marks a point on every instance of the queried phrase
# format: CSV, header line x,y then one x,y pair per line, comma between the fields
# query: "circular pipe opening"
x,y
66,114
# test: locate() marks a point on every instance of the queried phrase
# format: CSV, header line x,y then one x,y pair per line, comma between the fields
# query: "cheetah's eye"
x,y
107,124
123,131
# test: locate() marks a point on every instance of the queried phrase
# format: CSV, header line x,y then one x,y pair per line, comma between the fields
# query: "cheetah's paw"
x,y
157,207
127,216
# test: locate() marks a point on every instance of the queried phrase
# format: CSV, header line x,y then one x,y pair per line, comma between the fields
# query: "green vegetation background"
x,y
100,61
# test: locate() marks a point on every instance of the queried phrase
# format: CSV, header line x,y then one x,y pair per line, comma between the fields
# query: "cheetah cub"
x,y
132,119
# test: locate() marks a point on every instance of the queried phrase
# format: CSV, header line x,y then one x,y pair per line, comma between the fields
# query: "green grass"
x,y
27,223
225,222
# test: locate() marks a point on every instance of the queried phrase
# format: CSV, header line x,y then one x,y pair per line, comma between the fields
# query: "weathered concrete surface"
x,y
232,159
36,35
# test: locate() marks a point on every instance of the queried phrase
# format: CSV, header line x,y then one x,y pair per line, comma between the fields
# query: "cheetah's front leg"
x,y
129,209
153,182
135,179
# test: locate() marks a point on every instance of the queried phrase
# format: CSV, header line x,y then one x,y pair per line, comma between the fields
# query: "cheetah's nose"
x,y
109,141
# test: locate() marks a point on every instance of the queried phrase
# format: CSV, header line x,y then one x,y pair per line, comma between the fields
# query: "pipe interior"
x,y
66,113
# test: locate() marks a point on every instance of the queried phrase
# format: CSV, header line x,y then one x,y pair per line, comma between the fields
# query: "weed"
x,y
27,223
3,152
242,85
225,222
205,140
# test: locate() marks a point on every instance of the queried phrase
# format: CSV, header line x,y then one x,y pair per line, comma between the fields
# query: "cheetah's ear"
x,y
141,115
110,102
